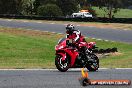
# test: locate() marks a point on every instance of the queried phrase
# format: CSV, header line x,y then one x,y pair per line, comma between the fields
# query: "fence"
x,y
98,19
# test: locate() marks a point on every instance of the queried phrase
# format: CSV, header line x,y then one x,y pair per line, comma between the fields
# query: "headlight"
x,y
60,47
56,46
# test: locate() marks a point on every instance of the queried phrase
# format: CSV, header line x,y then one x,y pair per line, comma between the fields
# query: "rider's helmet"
x,y
70,28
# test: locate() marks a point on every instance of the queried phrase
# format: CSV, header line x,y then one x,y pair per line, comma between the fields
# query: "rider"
x,y
76,36
73,34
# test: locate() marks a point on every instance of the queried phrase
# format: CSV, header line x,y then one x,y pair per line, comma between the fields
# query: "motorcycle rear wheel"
x,y
95,65
62,66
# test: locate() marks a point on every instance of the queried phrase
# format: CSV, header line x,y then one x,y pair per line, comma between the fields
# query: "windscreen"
x,y
61,40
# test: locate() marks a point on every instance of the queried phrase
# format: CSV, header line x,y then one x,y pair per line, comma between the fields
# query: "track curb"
x,y
72,69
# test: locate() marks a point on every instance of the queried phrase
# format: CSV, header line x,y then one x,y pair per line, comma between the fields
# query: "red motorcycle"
x,y
68,56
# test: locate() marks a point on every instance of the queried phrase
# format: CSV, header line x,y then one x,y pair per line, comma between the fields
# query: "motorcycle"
x,y
68,56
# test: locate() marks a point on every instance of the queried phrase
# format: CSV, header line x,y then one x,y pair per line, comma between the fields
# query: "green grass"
x,y
33,49
123,60
122,13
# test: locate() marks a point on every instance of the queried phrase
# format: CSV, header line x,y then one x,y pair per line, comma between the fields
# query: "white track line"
x,y
59,33
124,68
45,31
93,38
39,22
125,29
78,25
63,33
99,39
53,32
29,29
9,20
52,23
106,40
37,30
25,21
71,69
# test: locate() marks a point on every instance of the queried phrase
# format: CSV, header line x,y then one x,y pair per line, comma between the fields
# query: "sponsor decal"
x,y
110,82
84,80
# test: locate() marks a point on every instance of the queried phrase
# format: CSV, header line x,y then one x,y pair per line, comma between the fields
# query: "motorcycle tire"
x,y
93,67
59,64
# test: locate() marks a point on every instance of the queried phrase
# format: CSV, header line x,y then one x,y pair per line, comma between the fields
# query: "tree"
x,y
49,1
27,7
109,6
50,10
16,7
38,3
68,6
8,7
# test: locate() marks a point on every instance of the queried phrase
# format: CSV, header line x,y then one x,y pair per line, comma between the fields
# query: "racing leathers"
x,y
75,36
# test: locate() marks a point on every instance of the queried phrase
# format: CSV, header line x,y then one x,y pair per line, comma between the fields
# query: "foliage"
x,y
111,6
27,7
30,7
68,6
8,7
36,4
122,13
50,10
92,11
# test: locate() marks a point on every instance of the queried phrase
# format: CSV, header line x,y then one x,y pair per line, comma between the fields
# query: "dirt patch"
x,y
97,25
109,25
116,54
108,54
28,32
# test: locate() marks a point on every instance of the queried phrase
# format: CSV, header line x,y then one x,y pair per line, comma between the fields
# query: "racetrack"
x,y
55,79
106,34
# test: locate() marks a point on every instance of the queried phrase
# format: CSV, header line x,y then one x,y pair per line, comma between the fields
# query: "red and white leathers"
x,y
75,36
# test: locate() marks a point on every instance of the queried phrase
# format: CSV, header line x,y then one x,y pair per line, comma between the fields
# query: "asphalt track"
x,y
105,34
56,79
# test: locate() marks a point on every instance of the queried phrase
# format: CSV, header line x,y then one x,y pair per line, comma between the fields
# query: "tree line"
x,y
60,7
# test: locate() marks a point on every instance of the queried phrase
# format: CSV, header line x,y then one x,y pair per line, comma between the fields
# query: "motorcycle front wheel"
x,y
62,66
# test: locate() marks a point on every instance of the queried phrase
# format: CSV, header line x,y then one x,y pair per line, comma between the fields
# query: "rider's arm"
x,y
67,35
77,36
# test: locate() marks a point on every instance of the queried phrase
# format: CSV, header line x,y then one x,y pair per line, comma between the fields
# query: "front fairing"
x,y
62,49
61,40
61,44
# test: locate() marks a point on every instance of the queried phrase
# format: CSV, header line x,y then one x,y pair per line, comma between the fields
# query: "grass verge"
x,y
35,49
122,13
